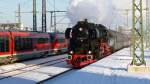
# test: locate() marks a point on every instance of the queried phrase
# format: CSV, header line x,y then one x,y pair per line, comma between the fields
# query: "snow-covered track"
x,y
18,71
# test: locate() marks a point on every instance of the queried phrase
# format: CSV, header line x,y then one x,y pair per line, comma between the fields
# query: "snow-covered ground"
x,y
110,70
35,74
11,67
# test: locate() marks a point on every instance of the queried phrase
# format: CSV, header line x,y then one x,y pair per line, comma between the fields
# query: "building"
x,y
11,26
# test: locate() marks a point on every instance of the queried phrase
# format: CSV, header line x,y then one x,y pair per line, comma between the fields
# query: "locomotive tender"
x,y
89,42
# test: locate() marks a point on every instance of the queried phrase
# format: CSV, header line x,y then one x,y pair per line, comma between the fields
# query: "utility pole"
x,y
34,16
137,40
147,24
53,18
19,16
137,34
44,27
127,14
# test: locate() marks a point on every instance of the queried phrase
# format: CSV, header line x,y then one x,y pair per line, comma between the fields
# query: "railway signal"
x,y
138,64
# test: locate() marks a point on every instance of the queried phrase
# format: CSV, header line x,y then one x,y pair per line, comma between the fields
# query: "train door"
x,y
5,47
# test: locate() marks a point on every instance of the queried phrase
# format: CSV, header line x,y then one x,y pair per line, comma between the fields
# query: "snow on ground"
x,y
31,76
34,76
110,70
10,67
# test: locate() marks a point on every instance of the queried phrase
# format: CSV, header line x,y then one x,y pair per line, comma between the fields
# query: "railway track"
x,y
25,69
36,68
26,63
54,76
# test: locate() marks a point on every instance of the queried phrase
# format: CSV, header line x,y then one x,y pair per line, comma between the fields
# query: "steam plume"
x,y
97,11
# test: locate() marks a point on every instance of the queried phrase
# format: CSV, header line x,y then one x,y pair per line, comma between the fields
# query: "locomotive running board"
x,y
138,69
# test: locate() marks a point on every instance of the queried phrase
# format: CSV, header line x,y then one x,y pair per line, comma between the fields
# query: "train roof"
x,y
85,22
22,31
56,33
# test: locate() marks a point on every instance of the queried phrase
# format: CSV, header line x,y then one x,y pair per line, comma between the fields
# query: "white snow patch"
x,y
110,70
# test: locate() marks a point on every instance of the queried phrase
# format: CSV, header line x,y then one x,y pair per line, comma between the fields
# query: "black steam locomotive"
x,y
89,42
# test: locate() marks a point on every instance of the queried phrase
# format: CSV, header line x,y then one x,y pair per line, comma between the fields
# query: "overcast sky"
x,y
8,8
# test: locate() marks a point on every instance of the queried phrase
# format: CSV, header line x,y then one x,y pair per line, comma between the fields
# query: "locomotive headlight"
x,y
90,52
71,52
80,29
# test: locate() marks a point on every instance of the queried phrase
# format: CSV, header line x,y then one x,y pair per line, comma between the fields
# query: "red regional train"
x,y
89,42
20,45
58,43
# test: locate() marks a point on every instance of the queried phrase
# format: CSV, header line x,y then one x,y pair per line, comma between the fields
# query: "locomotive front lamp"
x,y
90,52
71,52
80,29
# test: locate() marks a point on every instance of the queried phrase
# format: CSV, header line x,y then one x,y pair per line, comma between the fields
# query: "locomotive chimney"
x,y
86,20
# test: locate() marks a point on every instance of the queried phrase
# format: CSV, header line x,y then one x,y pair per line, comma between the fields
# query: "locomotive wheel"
x,y
97,54
102,50
105,49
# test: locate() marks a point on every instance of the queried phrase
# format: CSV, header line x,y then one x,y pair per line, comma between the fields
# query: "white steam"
x,y
107,12
97,11
122,4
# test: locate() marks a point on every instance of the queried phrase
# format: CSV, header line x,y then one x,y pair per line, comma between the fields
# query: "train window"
x,y
23,43
43,40
60,40
4,44
52,37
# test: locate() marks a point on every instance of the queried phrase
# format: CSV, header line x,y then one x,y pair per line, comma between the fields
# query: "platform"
x,y
110,70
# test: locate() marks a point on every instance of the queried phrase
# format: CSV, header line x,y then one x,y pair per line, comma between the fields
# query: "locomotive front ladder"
x,y
138,63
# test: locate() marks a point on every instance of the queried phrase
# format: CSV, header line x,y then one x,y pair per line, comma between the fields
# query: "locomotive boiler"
x,y
89,42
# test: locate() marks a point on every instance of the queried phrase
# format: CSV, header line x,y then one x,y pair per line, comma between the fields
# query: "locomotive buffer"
x,y
138,64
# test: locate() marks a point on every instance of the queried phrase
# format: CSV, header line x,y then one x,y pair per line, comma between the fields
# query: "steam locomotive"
x,y
23,45
89,42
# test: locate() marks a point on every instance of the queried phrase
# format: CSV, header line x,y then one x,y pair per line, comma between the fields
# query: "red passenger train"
x,y
58,43
19,45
